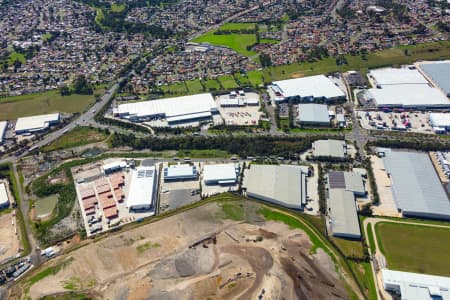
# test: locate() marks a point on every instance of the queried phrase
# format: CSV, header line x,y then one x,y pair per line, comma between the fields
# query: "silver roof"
x,y
333,148
312,112
343,215
416,187
439,73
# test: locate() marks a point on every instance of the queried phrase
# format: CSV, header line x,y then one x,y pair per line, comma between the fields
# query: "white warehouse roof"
x,y
176,109
281,184
395,76
318,86
419,95
219,173
440,120
142,188
180,171
343,214
3,195
332,148
35,123
119,164
3,126
416,286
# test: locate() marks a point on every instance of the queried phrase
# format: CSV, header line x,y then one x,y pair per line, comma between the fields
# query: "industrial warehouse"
x,y
3,127
284,185
403,88
440,122
311,88
342,214
329,149
180,172
34,124
174,111
416,286
143,191
416,188
438,73
4,199
221,174
311,114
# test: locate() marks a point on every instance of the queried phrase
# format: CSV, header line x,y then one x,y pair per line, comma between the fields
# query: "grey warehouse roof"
x,y
313,113
333,148
343,215
416,187
284,185
439,73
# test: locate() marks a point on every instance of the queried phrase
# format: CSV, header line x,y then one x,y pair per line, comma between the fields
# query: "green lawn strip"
x,y
178,88
255,78
78,136
43,103
228,82
363,271
417,221
238,26
242,80
414,248
207,153
52,270
350,248
212,84
371,238
68,296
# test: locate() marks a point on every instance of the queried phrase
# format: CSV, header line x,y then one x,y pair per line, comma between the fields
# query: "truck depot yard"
x,y
415,248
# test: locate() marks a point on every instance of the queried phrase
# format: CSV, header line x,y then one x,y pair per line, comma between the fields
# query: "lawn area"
x,y
45,206
77,137
242,80
116,7
14,56
178,88
208,153
43,103
212,84
238,26
228,82
255,78
350,248
370,238
363,272
237,42
195,86
415,248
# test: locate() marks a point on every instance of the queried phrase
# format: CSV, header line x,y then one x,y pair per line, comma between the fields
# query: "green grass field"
x,y
116,7
228,82
45,206
43,103
209,153
77,137
242,80
194,86
349,247
175,89
415,248
237,42
255,78
212,84
14,56
238,26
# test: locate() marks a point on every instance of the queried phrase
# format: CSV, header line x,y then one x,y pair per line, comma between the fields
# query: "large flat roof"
x,y
282,184
182,170
142,187
175,109
419,95
318,86
417,286
3,126
220,172
416,187
394,76
36,122
343,215
3,194
439,73
349,181
313,113
440,119
333,148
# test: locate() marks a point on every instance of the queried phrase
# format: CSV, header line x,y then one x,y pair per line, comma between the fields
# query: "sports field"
x,y
43,103
237,42
415,248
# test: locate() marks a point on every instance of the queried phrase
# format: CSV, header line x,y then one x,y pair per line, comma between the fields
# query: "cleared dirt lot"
x,y
9,242
199,254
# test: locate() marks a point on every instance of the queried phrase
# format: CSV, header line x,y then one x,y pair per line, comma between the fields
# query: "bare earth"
x,y
9,241
229,260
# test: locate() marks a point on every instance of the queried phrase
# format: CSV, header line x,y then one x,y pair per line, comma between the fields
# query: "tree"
x,y
64,90
81,86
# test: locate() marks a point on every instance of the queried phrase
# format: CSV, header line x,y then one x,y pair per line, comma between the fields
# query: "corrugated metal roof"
x,y
313,113
313,86
416,187
439,73
336,180
391,76
343,215
333,148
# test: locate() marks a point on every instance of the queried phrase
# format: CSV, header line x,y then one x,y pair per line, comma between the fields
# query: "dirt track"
x,y
156,261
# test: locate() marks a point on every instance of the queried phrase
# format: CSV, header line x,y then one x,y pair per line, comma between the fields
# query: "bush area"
x,y
79,136
242,146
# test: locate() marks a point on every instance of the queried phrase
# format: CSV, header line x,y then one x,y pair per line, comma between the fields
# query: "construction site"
x,y
220,250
